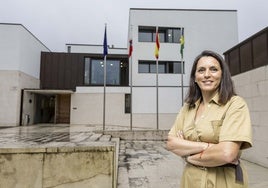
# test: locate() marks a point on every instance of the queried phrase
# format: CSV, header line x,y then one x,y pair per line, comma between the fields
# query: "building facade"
x,y
80,76
19,69
133,97
71,84
202,29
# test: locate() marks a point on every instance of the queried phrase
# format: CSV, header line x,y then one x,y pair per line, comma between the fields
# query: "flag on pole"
x,y
182,42
105,47
130,48
157,44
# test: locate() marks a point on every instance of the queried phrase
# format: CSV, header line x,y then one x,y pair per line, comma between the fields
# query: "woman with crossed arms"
x,y
212,128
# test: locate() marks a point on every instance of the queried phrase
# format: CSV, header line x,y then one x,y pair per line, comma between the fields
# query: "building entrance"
x,y
52,108
45,106
44,109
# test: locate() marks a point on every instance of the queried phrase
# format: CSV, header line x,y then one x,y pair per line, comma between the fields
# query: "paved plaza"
x,y
147,164
142,163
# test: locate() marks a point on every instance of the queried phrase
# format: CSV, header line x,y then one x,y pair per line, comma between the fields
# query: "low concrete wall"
x,y
59,167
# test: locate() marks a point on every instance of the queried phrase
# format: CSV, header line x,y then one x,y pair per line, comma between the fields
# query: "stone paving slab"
x,y
50,136
147,164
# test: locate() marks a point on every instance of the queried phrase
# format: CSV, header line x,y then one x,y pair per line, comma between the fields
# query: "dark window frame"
x,y
164,34
123,71
169,67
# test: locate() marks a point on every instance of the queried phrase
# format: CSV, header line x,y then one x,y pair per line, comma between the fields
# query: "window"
x,y
164,67
69,49
168,35
127,103
116,72
146,34
86,72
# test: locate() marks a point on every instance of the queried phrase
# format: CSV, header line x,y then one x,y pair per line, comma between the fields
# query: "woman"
x,y
212,128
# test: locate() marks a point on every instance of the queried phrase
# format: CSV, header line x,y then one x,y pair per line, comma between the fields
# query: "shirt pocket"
x,y
216,127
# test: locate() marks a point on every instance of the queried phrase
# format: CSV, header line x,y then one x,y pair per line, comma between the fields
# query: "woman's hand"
x,y
235,161
180,135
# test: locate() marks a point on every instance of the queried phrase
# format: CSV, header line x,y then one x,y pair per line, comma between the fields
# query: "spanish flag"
x,y
157,44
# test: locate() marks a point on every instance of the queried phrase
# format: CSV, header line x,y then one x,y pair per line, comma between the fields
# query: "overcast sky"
x,y
57,22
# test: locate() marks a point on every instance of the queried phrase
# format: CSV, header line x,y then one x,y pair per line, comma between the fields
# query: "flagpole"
x,y
182,65
157,114
182,92
157,46
105,52
104,91
131,94
131,97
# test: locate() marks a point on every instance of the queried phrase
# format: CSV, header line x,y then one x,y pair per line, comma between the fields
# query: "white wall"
x,y
12,82
253,87
20,53
9,47
87,106
20,50
144,99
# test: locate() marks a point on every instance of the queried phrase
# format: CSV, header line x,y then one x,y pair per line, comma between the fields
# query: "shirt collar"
x,y
214,99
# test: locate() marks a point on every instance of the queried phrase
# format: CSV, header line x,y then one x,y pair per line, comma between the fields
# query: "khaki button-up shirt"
x,y
229,122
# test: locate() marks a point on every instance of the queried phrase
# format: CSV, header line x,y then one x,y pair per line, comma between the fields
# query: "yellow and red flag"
x,y
157,44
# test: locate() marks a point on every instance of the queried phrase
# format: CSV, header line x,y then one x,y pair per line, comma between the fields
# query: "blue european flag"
x,y
105,47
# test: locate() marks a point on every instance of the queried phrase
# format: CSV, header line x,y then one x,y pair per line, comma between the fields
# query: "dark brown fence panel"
x,y
260,50
59,71
61,61
78,70
249,54
234,62
246,56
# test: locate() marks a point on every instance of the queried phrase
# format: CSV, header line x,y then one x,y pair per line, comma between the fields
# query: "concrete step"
x,y
94,137
105,138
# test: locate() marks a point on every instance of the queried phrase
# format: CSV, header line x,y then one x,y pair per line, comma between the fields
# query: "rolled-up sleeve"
x,y
236,125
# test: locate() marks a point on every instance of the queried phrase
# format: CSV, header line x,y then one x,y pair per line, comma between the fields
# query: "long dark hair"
x,y
226,87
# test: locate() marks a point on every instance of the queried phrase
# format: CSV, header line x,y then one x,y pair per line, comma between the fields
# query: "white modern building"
x,y
203,29
19,68
71,84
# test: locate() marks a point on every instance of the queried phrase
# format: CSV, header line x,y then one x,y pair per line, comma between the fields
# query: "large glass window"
x,y
169,35
165,67
116,72
96,73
